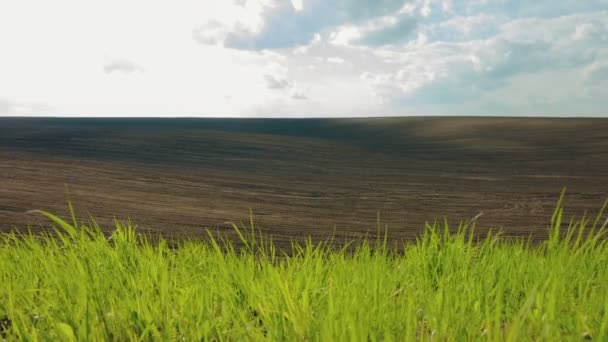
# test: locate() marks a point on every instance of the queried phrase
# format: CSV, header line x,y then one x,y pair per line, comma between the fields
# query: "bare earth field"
x,y
303,177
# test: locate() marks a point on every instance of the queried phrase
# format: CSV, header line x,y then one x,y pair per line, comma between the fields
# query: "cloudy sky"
x,y
303,58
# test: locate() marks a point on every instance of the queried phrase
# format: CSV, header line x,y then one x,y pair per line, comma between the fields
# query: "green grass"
x,y
82,285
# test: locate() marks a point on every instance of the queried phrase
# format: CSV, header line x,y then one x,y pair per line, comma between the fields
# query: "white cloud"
x,y
6,107
274,82
345,34
210,33
596,73
120,66
313,57
297,5
11,108
336,60
62,60
441,74
297,94
425,11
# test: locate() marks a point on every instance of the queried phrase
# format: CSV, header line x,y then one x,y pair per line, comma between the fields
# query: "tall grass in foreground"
x,y
80,285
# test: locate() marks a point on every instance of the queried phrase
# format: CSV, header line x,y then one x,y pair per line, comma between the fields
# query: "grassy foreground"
x,y
83,285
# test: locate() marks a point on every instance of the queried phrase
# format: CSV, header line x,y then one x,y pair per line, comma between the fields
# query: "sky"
x,y
304,58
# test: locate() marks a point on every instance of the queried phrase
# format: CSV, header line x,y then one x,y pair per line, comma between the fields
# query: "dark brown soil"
x,y
303,177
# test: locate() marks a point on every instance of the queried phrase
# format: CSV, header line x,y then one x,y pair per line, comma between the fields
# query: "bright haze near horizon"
x,y
304,58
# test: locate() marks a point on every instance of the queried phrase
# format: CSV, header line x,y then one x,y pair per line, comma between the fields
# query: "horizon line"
x,y
574,116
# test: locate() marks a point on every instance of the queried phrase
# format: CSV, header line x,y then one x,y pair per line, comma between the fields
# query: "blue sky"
x,y
304,58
